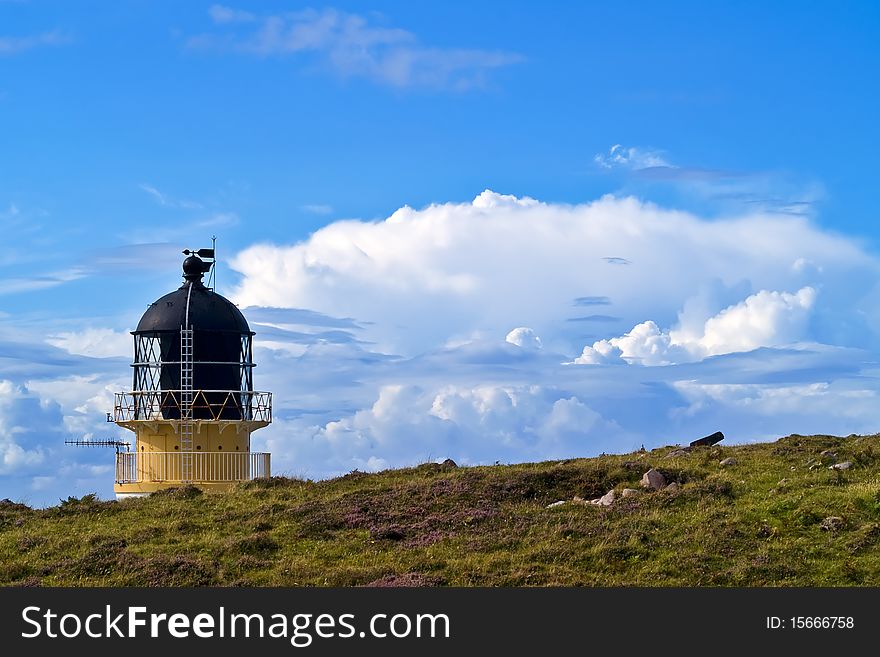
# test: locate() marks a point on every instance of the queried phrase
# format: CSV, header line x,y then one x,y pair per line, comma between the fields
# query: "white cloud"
x,y
765,319
19,284
425,277
483,424
630,157
524,338
13,428
94,342
353,46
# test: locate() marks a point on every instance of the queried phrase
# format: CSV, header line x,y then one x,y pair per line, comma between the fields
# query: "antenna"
x,y
100,443
212,277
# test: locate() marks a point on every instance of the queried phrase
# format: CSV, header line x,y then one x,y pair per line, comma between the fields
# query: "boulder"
x,y
556,504
845,465
716,437
672,488
653,480
681,451
728,461
449,464
629,492
607,499
828,454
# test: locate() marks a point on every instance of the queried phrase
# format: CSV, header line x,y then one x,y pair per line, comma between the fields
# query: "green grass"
x,y
740,525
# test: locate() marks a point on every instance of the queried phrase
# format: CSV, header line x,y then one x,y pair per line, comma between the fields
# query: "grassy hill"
x,y
779,516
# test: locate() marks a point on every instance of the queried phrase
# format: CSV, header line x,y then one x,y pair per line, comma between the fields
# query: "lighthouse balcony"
x,y
147,469
210,405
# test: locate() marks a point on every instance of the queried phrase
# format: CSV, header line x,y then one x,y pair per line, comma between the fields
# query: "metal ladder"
x,y
186,404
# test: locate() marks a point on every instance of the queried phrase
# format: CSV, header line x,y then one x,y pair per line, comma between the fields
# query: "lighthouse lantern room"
x,y
192,406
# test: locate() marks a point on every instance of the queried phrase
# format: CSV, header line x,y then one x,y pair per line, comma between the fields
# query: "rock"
x,y
607,499
716,437
728,461
672,488
629,492
828,454
832,523
577,499
653,480
555,504
449,464
681,451
845,465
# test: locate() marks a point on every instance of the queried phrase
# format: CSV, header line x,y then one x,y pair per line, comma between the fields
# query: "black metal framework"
x,y
222,363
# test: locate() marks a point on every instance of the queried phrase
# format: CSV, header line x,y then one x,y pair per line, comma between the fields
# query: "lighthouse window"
x,y
219,448
198,446
236,448
176,447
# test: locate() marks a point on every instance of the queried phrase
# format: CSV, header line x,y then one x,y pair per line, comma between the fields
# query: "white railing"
x,y
152,405
205,467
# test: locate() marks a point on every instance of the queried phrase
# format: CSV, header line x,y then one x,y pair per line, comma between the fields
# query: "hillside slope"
x,y
778,516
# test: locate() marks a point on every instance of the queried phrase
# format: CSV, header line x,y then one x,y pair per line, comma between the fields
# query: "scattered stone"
x,y
653,480
449,464
607,499
577,499
629,492
716,437
672,488
828,454
845,465
782,482
555,504
728,461
832,523
681,451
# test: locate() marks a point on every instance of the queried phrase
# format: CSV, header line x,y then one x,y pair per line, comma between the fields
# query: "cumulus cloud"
x,y
765,319
423,277
408,424
353,46
16,454
524,338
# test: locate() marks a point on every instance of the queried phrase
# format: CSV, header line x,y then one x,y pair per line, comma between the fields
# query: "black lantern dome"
x,y
221,352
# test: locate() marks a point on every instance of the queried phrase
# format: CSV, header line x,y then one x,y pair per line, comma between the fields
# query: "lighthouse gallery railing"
x,y
206,404
206,467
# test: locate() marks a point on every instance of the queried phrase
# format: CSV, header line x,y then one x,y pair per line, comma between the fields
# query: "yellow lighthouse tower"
x,y
192,406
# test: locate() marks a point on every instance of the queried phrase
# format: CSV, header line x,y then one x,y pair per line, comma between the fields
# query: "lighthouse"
x,y
192,406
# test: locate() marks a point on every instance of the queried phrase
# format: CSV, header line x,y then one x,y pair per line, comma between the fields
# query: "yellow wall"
x,y
207,437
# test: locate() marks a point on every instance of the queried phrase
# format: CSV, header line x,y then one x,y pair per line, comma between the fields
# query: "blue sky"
x,y
680,235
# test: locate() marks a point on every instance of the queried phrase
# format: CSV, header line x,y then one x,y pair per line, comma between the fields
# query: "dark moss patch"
x,y
259,544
